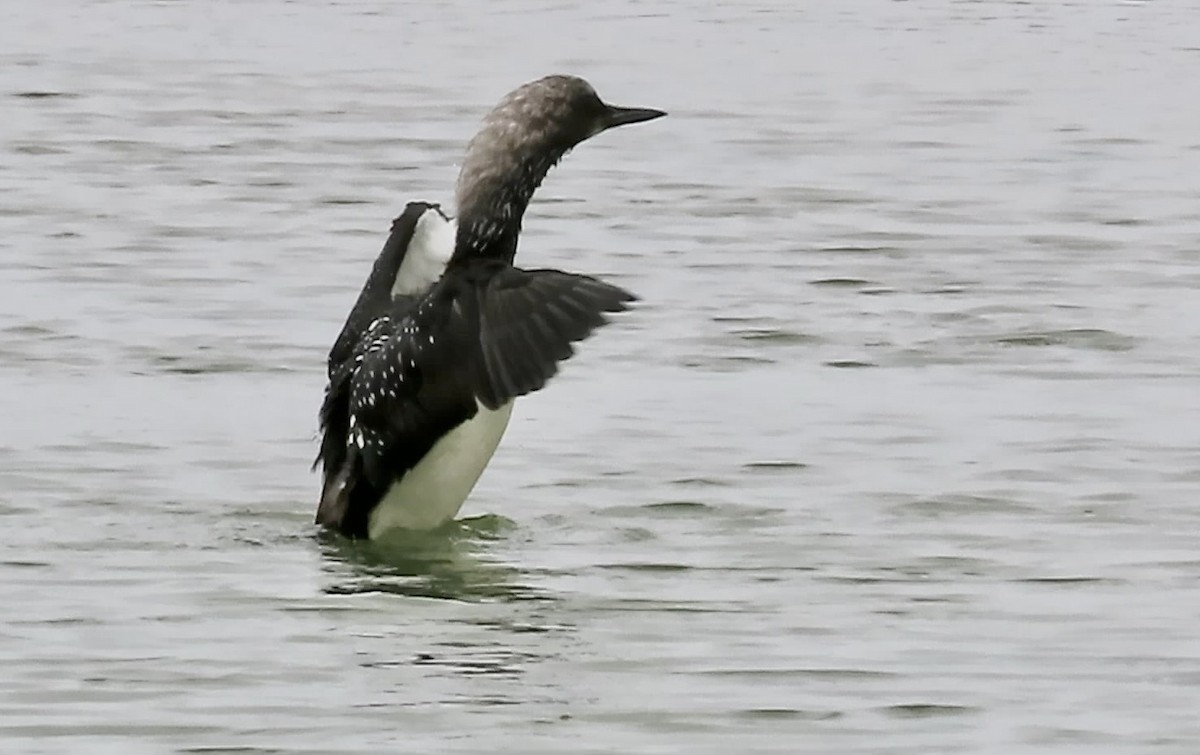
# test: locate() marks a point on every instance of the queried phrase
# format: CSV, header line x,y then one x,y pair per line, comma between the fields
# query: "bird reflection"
x,y
441,563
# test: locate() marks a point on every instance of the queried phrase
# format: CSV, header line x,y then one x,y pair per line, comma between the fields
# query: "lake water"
x,y
899,454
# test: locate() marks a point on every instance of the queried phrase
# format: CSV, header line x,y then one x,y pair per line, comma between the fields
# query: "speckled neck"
x,y
529,131
497,181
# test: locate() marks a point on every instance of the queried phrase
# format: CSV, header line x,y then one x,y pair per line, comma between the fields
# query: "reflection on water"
x,y
449,563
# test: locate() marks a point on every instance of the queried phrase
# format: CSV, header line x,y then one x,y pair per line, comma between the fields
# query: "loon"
x,y
446,332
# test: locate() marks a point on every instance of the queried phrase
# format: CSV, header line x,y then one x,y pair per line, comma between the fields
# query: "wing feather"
x,y
529,320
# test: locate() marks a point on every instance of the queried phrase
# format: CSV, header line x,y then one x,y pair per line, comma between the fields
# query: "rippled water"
x,y
900,453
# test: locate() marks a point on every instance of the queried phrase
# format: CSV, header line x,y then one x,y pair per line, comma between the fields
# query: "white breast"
x,y
433,491
428,252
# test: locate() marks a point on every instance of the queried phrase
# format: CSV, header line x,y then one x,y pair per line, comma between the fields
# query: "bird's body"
x,y
413,259
444,477
447,333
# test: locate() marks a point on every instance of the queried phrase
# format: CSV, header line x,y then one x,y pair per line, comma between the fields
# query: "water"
x,y
900,453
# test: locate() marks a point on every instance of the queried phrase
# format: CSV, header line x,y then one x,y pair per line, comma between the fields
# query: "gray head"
x,y
521,139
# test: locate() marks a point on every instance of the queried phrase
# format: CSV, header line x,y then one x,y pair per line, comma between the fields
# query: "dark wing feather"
x,y
334,418
529,319
375,299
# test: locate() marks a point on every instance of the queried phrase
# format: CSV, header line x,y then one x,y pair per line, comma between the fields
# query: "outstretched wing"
x,y
528,321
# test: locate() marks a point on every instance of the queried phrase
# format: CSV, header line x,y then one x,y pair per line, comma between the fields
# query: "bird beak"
x,y
620,116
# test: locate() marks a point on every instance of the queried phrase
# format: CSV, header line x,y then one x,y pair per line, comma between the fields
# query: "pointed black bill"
x,y
620,116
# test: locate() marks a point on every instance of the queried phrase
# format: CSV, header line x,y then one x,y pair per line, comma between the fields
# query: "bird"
x,y
447,332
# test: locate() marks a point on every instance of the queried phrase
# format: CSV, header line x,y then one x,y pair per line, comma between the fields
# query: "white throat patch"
x,y
428,252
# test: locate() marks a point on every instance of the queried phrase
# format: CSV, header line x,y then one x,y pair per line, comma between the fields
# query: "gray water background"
x,y
900,453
